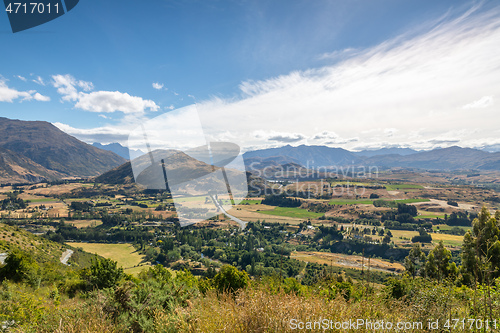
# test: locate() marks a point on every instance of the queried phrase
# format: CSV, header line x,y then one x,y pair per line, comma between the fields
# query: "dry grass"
x,y
448,240
56,189
250,213
344,260
262,308
13,237
72,319
125,254
84,223
257,310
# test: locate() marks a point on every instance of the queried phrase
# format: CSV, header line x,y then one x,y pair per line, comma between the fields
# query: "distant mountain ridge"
x,y
491,148
36,144
15,168
386,151
308,156
452,158
120,150
288,157
180,166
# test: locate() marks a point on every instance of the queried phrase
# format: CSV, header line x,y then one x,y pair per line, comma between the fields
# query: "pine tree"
x,y
415,261
481,249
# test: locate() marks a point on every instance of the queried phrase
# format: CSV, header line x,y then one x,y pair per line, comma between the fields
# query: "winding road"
x,y
65,257
242,223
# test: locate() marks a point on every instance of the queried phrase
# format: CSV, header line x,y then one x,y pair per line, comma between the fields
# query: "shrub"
x,y
102,273
20,267
230,279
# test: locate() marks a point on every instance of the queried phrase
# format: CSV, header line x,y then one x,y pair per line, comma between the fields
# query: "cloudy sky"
x,y
353,74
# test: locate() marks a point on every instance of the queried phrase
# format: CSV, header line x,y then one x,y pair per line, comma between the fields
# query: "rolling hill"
x,y
307,156
120,150
15,168
180,166
386,151
47,146
451,158
122,174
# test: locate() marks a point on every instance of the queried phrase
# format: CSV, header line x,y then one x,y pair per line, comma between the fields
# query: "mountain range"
x,y
386,151
37,150
288,158
452,158
118,149
307,156
186,174
32,151
15,168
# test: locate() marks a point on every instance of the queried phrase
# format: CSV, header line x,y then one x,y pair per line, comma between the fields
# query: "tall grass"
x,y
257,309
266,307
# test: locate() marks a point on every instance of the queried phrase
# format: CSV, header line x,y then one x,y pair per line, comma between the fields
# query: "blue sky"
x,y
360,71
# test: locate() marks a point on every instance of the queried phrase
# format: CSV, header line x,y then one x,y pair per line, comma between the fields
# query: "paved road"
x,y
242,223
65,257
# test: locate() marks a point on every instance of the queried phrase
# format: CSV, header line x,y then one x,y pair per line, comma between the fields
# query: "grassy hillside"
x,y
125,255
16,168
120,175
43,250
55,150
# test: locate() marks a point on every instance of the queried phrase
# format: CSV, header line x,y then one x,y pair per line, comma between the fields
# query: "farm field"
x,y
350,202
409,201
252,213
349,261
448,240
449,227
403,237
398,187
84,223
292,212
38,200
124,254
370,201
250,202
427,215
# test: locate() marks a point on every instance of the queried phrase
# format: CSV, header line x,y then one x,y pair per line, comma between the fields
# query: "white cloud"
x,y
65,85
99,134
158,86
41,98
99,101
412,91
112,101
39,81
481,103
22,78
339,141
389,132
9,94
331,139
86,86
413,88
279,136
338,54
326,135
